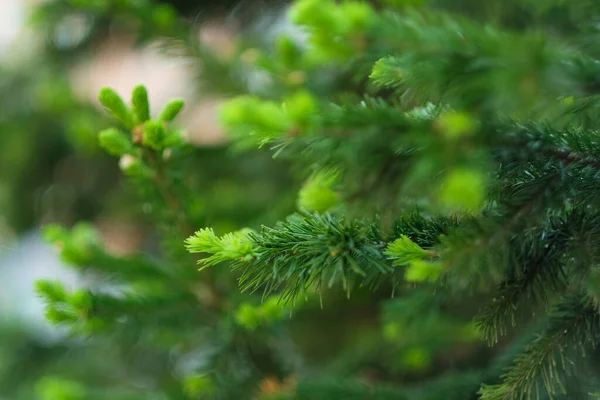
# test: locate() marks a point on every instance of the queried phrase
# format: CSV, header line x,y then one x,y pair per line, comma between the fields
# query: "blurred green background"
x,y
54,58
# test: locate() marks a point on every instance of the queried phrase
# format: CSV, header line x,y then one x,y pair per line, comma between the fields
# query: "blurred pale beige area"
x,y
12,16
118,63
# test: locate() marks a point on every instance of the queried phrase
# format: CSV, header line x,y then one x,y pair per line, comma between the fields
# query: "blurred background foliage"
x,y
52,171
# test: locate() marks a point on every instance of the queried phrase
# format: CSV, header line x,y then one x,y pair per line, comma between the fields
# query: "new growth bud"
x,y
140,103
116,106
115,142
171,110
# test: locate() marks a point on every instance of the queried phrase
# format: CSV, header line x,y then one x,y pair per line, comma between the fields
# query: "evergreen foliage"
x,y
446,241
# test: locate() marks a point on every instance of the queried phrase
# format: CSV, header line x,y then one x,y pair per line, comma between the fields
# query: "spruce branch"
x,y
152,140
233,246
548,261
435,56
486,240
311,251
539,278
517,142
303,252
165,187
574,323
151,166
